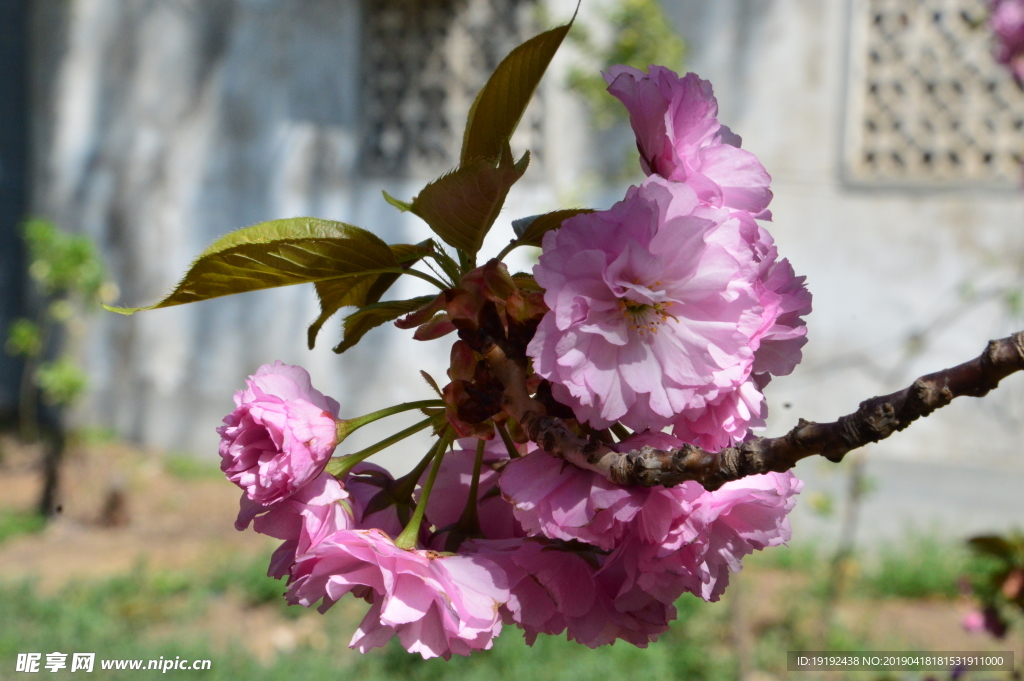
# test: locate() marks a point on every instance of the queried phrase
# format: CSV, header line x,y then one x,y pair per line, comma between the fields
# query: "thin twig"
x,y
876,419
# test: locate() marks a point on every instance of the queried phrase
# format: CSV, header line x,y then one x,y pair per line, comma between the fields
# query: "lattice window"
x,y
928,105
423,63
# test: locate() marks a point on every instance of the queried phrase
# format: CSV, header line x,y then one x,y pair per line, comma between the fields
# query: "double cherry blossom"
x,y
670,311
671,308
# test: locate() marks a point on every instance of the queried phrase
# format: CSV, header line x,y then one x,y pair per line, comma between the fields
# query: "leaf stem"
x,y
407,540
448,264
426,277
512,245
434,270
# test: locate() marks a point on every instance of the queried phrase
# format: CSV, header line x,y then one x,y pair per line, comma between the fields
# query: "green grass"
x,y
129,617
919,566
249,579
13,523
690,650
148,613
804,557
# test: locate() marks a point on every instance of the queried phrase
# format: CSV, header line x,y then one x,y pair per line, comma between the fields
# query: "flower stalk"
x,y
340,466
469,522
513,453
407,540
348,426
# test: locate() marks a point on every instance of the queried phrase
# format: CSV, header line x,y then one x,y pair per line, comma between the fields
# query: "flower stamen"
x,y
644,317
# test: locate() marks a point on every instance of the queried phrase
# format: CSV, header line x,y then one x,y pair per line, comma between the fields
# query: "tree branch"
x,y
876,419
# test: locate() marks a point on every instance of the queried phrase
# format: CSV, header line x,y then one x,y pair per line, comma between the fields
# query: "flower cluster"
x,y
1007,23
554,549
603,562
435,604
671,310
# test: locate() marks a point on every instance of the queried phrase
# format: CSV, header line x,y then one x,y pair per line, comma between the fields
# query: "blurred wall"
x,y
908,272
165,124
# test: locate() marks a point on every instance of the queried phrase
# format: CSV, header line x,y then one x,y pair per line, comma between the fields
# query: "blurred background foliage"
x,y
640,35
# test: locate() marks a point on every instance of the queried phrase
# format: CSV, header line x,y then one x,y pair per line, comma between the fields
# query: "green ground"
x,y
149,613
177,580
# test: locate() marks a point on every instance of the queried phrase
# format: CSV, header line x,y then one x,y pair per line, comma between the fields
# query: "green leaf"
x,y
276,230
279,253
534,232
335,294
375,314
461,206
400,205
500,104
62,262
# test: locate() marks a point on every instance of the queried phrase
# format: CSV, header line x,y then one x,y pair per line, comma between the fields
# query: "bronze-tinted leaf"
x,y
279,253
500,104
375,314
335,294
534,232
526,282
461,206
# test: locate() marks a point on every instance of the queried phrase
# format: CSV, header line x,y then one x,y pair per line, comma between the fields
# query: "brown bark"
x,y
876,419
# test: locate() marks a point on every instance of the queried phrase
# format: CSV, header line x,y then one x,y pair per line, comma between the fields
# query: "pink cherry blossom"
x,y
554,499
451,492
281,434
741,517
318,509
664,541
706,541
368,484
557,500
436,605
556,587
671,541
680,138
1007,23
651,310
727,418
783,298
